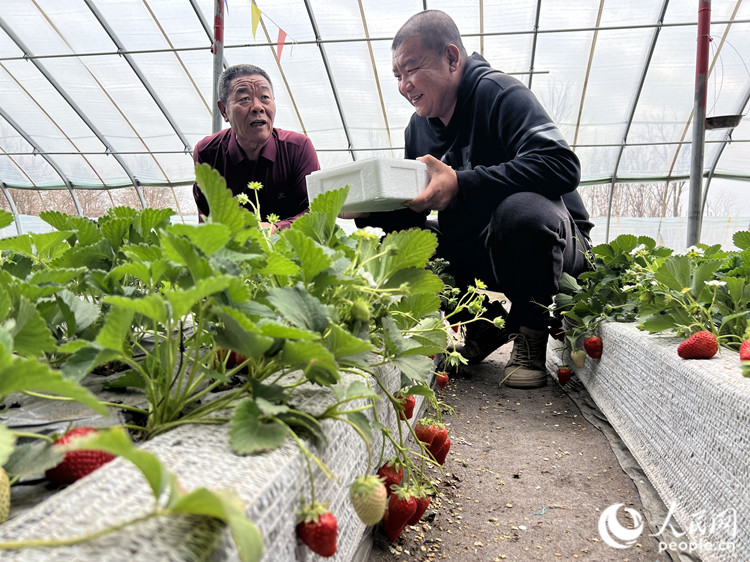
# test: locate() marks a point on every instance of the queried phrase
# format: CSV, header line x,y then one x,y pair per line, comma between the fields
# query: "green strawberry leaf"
x,y
31,459
249,433
299,307
31,336
116,442
226,506
311,256
6,218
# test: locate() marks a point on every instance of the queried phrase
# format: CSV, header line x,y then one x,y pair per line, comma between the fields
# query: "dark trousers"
x,y
529,242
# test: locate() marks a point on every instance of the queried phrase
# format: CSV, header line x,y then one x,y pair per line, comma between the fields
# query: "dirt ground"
x,y
526,479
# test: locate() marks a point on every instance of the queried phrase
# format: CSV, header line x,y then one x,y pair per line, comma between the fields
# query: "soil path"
x,y
526,479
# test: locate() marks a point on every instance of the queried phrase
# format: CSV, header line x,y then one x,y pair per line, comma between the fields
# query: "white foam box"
x,y
375,184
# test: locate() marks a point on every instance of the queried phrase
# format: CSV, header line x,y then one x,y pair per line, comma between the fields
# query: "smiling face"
x,y
249,110
428,79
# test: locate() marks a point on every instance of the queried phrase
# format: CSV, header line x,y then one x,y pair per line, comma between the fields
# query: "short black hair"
x,y
436,29
235,71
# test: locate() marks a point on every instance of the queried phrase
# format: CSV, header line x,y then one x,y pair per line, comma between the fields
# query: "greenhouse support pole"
x,y
699,123
218,51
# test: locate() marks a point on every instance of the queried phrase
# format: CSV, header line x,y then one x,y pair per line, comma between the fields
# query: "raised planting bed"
x,y
687,422
269,484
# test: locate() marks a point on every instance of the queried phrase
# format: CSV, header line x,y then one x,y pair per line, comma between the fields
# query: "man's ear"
x,y
223,109
453,56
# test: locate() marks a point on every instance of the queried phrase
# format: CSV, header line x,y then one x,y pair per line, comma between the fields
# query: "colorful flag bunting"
x,y
256,13
280,43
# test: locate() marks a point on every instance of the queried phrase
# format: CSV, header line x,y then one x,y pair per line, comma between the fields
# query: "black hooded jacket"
x,y
500,141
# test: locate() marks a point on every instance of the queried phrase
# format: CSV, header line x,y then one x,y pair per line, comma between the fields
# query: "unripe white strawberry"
x,y
368,496
4,495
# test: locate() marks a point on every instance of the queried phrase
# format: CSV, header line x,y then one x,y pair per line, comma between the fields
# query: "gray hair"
x,y
436,29
225,80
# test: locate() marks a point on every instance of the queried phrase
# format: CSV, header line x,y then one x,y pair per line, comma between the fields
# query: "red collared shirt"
x,y
281,168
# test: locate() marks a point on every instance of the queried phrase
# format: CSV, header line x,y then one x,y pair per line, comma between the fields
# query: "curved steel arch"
x,y
47,158
633,108
60,90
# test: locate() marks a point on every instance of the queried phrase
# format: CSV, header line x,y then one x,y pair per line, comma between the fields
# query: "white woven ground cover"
x,y
687,422
271,485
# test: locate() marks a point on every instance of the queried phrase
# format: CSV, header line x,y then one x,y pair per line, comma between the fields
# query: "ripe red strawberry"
x,y
579,357
77,464
442,379
423,502
745,351
441,435
408,403
402,505
701,345
442,454
318,529
392,473
368,496
563,375
425,430
593,346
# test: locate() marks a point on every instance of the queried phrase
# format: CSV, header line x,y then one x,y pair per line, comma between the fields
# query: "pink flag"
x,y
280,43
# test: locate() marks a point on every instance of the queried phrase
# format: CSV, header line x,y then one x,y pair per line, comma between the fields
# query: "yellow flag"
x,y
255,17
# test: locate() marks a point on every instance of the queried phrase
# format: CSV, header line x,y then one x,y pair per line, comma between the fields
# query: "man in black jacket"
x,y
503,181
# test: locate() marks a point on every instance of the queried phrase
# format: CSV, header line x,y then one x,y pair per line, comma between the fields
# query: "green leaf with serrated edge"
x,y
234,335
330,203
568,283
408,248
85,312
741,239
7,443
96,256
121,211
278,265
278,329
225,506
56,219
302,353
343,344
49,245
268,408
60,276
223,207
183,301
145,253
413,307
250,434
30,460
315,225
131,379
116,442
705,271
414,367
303,423
416,280
116,328
85,359
31,335
115,230
151,306
299,307
675,273
6,218
150,219
180,250
86,230
361,421
20,374
310,255
208,237
358,389
139,271
21,244
657,323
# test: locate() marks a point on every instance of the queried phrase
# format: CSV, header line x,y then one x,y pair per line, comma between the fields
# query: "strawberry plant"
x,y
634,280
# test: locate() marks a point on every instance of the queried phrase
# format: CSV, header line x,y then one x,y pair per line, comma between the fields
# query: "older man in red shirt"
x,y
252,150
